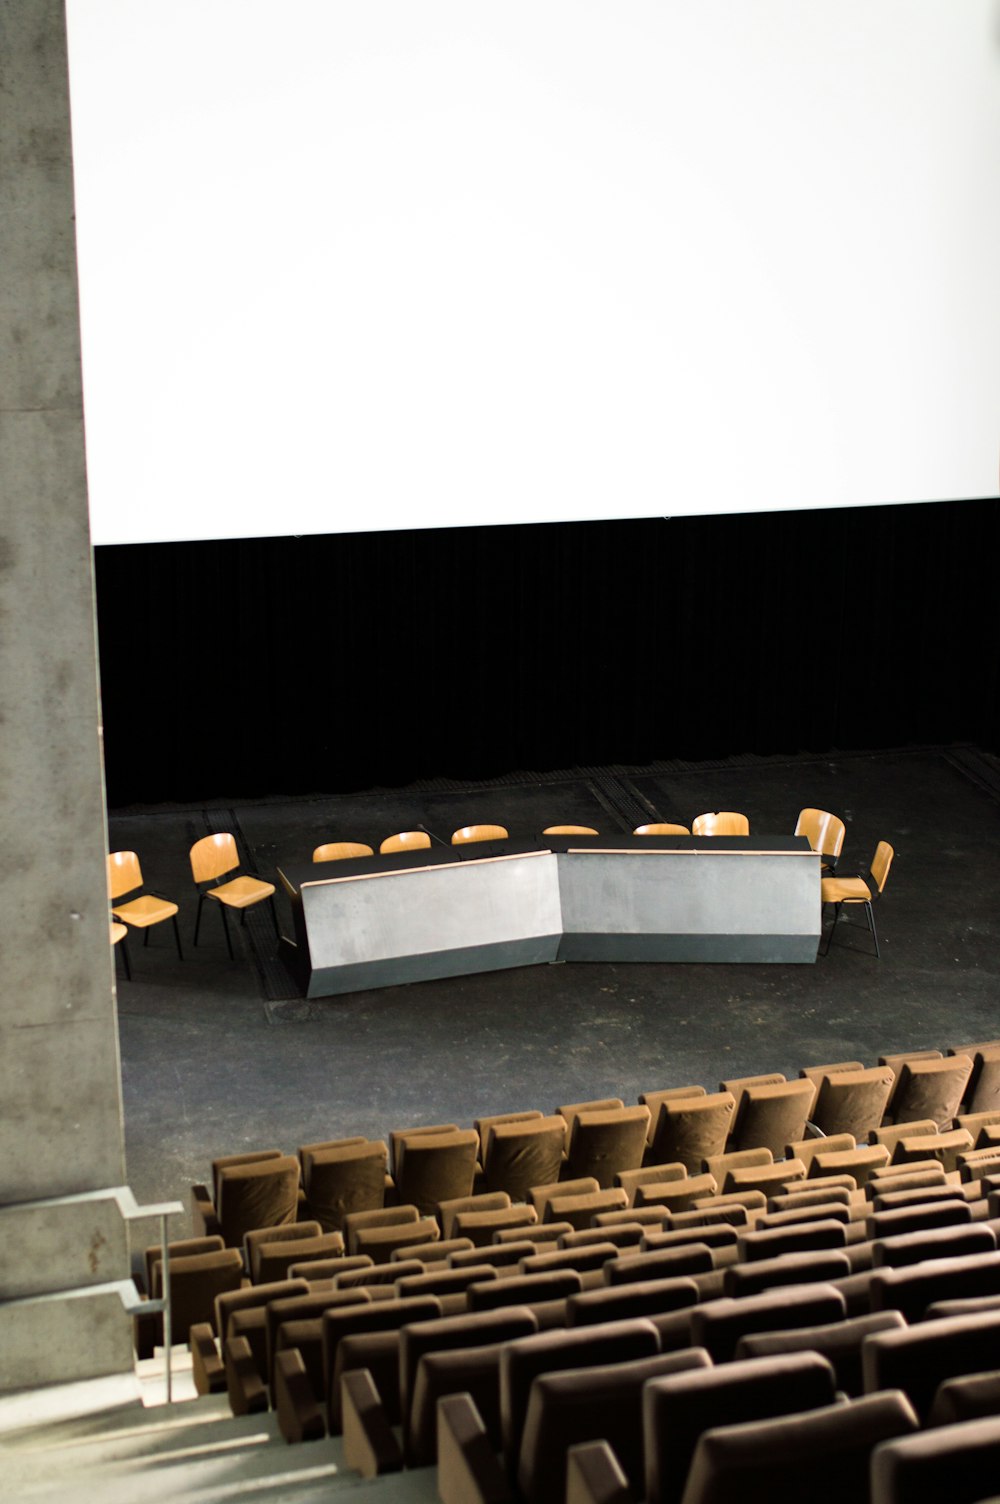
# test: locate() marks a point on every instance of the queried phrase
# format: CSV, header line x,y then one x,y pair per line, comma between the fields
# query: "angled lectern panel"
x,y
414,923
696,902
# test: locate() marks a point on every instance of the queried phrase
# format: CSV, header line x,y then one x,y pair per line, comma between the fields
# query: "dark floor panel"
x,y
212,1064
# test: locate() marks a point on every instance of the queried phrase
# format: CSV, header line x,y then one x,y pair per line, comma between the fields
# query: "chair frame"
x,y
875,889
135,891
207,887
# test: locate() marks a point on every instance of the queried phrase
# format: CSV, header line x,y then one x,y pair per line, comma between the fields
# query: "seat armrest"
x,y
247,1391
208,1367
204,1219
469,1471
299,1416
594,1476
370,1444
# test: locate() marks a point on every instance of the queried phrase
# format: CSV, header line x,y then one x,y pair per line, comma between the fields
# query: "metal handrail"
x,y
131,1211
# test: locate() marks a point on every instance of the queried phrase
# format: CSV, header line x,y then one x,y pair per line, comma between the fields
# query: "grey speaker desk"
x,y
448,911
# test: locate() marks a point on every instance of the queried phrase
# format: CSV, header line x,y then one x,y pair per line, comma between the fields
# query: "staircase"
x,y
115,1442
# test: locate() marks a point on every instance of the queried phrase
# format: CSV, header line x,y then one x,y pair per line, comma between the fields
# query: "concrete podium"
x,y
448,911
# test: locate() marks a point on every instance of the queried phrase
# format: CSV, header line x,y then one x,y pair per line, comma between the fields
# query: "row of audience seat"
x,y
495,1362
739,1257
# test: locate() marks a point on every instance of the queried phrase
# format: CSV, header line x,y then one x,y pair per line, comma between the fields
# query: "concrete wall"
x,y
60,1089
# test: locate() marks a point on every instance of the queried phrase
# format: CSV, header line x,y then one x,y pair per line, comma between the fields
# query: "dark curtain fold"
x,y
322,664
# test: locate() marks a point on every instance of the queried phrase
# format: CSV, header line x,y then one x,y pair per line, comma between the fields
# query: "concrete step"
x,y
194,1452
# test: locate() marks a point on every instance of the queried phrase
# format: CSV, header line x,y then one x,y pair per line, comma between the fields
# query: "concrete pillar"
x,y
60,1088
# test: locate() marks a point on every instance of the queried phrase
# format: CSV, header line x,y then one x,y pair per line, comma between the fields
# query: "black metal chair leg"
x,y
197,922
123,946
871,926
829,938
225,926
145,937
177,936
274,916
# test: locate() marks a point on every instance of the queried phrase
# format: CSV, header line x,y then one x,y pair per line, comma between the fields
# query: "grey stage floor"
x,y
218,1057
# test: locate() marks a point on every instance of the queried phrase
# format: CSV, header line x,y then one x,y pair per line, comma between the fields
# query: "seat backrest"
x,y
213,856
406,840
852,1101
798,1268
581,1347
917,1359
518,1156
770,1117
880,864
912,1289
602,1143
931,1089
960,1463
226,1160
396,1135
652,1297
260,1194
692,1129
722,822
822,1454
483,1125
436,1167
124,873
571,1110
378,1316
195,1282
678,1408
472,1329
253,1297
719,1324
840,1342
339,851
470,833
824,832
386,1216
344,1180
181,1248
590,1404
660,828
293,1232
570,830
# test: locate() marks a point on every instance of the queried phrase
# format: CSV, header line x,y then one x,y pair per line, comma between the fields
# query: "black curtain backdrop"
x,y
324,664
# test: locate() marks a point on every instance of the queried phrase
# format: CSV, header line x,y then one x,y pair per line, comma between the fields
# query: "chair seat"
x,y
118,932
845,890
240,892
144,911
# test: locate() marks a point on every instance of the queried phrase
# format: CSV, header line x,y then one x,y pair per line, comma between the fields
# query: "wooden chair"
x,y
406,840
661,829
723,822
854,890
145,909
570,830
825,834
469,833
211,859
339,851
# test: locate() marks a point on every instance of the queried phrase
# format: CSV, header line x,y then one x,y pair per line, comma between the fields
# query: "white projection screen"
x,y
359,264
